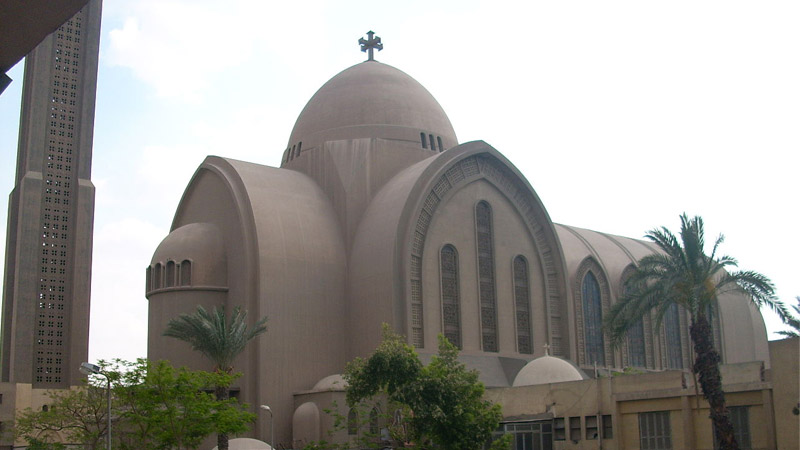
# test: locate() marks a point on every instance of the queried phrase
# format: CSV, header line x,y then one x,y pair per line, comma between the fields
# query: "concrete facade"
x,y
377,214
47,281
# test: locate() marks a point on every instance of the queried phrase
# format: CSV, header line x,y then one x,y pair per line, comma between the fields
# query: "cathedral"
x,y
377,214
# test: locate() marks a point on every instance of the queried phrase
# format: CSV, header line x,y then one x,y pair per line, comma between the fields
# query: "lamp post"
x,y
91,369
271,426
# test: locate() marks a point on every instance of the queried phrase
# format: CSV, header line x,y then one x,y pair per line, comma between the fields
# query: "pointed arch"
x,y
592,301
638,345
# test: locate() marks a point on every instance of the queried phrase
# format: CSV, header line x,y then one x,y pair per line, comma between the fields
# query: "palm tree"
x,y
684,275
219,340
793,322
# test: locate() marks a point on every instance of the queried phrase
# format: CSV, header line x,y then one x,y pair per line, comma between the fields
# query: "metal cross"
x,y
367,45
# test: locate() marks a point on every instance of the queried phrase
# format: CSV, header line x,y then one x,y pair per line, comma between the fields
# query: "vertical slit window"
x,y
636,347
157,277
170,277
439,141
148,279
486,287
593,320
636,356
522,302
672,327
186,273
451,299
424,142
433,144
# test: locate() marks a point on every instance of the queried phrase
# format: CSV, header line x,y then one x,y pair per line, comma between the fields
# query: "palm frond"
x,y
216,338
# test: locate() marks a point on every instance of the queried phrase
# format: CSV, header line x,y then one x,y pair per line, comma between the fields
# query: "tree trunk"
x,y
706,366
222,393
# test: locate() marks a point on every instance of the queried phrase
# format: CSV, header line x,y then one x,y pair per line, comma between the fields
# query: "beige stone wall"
x,y
625,397
785,376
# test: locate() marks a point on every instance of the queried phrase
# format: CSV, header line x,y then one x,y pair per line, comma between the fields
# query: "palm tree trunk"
x,y
706,366
222,393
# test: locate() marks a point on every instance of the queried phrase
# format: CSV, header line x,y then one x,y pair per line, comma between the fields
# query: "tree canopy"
x,y
154,406
444,400
218,339
683,274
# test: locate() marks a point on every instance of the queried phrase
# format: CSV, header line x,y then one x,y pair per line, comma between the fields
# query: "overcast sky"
x,y
621,114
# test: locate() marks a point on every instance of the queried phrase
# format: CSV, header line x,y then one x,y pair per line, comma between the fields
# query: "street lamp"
x,y
271,426
91,369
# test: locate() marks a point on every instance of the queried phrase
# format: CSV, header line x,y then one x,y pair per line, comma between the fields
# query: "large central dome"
x,y
371,100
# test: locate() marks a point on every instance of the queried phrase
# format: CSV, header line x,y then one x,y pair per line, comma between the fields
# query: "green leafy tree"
x,y
170,408
793,322
444,401
218,339
154,406
683,274
75,416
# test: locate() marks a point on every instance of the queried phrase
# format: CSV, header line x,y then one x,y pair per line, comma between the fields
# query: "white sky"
x,y
622,114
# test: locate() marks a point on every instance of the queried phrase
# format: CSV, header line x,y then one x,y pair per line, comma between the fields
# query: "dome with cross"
x,y
372,100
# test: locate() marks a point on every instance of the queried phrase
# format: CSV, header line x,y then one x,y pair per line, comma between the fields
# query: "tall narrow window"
x,y
149,279
740,419
522,303
486,289
636,355
170,278
439,141
352,422
374,415
655,432
433,144
451,300
672,328
186,273
593,320
424,142
157,277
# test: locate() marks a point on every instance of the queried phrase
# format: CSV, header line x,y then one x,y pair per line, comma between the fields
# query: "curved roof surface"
x,y
548,369
371,99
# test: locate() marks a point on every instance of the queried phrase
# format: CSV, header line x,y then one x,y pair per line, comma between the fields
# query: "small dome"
x,y
548,369
371,100
246,444
330,383
202,246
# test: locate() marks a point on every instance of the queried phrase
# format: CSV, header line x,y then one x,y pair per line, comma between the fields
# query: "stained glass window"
x,y
451,309
486,287
593,320
522,303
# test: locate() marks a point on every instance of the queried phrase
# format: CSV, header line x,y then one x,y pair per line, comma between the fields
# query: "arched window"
x,y
636,344
522,303
636,352
672,330
439,141
451,298
593,320
148,279
424,142
157,277
433,144
374,426
352,422
170,277
486,288
186,273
